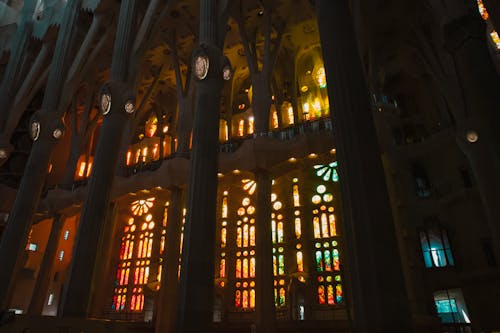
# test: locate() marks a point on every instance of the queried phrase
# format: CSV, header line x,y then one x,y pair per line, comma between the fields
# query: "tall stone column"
x,y
197,269
477,132
43,278
105,263
379,296
265,311
15,64
167,301
50,128
79,288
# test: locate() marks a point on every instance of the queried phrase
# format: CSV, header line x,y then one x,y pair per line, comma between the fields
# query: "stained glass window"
x,y
249,185
328,172
241,127
142,206
250,125
245,256
278,237
223,237
300,261
324,223
313,96
436,248
222,270
140,234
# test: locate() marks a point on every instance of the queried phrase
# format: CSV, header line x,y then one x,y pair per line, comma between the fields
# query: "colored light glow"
x,y
298,228
241,127
140,207
300,261
495,38
250,125
275,123
327,172
321,77
482,10
291,119
249,185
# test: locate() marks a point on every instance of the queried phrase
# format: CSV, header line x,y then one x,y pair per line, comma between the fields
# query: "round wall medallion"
x,y
105,103
3,153
129,107
57,134
201,65
227,72
472,136
35,130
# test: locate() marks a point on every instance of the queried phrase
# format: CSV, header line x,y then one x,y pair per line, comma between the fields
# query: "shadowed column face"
x,y
117,105
378,290
167,300
264,298
197,270
46,129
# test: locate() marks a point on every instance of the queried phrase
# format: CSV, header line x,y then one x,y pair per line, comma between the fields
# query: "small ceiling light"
x,y
292,160
236,171
472,136
3,153
312,155
220,175
261,12
333,151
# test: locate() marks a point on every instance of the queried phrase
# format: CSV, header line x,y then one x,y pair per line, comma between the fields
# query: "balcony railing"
x,y
283,134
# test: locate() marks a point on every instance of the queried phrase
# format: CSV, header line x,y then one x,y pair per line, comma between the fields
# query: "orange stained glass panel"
x,y
296,196
238,268
317,232
324,226
298,228
245,299
222,270
321,295
252,236
252,267
245,268
239,236
300,261
223,237
245,235
252,298
224,207
237,298
330,294
333,228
